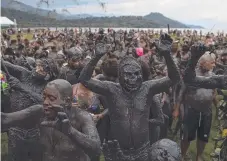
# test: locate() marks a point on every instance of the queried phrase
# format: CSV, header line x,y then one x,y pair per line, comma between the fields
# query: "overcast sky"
x,y
201,12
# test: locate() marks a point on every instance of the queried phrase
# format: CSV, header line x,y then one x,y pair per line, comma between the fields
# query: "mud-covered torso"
x,y
199,98
129,117
59,147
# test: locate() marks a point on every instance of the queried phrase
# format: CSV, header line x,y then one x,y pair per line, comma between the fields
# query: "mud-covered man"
x,y
198,98
67,134
129,102
27,87
71,71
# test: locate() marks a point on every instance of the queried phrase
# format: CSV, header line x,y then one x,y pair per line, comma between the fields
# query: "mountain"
x,y
212,24
34,20
77,16
27,15
16,5
195,26
163,21
25,19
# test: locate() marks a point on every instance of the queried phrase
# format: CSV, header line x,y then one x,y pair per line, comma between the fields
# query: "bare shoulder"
x,y
112,84
100,77
81,116
148,83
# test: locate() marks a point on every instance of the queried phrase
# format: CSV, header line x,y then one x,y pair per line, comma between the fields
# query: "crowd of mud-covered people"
x,y
75,96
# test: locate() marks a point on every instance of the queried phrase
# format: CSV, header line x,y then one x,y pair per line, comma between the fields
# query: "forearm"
x,y
157,121
29,67
90,145
179,96
173,72
217,81
219,65
13,70
87,71
190,73
36,97
156,110
17,118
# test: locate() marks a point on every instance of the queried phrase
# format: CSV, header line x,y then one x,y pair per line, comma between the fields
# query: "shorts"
x,y
196,123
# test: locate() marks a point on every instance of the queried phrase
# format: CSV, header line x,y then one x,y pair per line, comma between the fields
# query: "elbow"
x,y
84,83
95,150
162,120
175,78
83,80
3,119
157,122
5,122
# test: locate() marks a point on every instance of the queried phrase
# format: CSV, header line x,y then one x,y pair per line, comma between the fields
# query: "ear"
x,y
68,101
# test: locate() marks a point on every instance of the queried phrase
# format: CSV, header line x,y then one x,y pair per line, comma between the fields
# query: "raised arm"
x,y
218,81
161,85
13,70
17,118
94,85
16,85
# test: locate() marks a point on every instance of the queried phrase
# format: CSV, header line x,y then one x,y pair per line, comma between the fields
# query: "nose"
x,y
133,77
46,103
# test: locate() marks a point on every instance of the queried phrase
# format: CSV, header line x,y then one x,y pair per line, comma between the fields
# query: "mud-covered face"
x,y
131,77
51,98
185,47
40,72
224,59
75,63
40,68
174,47
142,43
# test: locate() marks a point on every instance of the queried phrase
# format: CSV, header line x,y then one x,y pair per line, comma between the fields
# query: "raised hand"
x,y
164,44
101,49
113,152
61,123
197,50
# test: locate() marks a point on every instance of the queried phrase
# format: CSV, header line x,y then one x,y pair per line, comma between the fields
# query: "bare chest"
x,y
58,147
124,105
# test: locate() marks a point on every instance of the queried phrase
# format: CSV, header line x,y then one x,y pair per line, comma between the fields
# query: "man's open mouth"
x,y
131,86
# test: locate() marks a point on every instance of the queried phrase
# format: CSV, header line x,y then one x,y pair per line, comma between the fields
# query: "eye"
x,y
52,98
